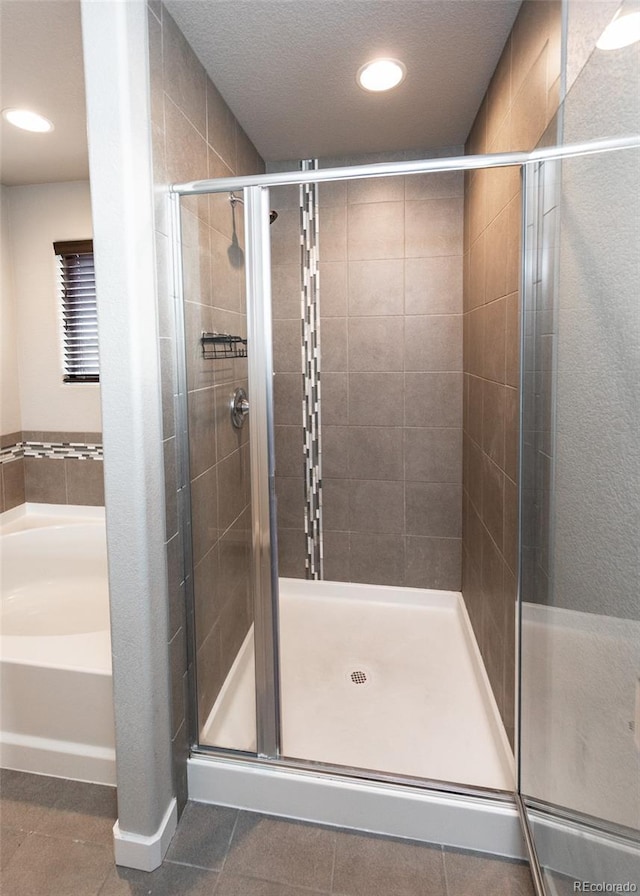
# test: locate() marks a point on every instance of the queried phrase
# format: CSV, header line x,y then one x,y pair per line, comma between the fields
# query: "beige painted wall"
x,y
10,419
39,215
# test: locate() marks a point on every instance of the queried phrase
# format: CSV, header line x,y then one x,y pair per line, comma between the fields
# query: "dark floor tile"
x,y
366,864
26,798
285,852
48,865
58,806
470,873
237,885
168,880
82,811
10,840
27,787
203,836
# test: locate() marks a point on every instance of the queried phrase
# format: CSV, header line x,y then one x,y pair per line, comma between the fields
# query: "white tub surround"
x,y
56,697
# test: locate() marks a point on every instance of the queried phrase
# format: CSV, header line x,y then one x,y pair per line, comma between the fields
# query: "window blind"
x,y
77,289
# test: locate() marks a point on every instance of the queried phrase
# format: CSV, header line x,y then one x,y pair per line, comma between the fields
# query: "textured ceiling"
x,y
287,68
41,69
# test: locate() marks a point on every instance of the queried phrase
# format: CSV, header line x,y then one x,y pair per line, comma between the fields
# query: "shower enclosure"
x,y
320,420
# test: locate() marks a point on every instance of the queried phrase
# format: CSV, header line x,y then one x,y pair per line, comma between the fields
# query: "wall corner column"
x,y
119,131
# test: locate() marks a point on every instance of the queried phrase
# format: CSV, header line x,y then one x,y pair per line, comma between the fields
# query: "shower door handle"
x,y
239,408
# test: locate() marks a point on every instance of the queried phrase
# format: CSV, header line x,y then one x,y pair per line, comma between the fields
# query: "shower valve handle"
x,y
239,408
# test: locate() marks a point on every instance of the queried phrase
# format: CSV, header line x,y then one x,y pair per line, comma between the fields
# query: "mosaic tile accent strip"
x,y
310,304
12,452
61,450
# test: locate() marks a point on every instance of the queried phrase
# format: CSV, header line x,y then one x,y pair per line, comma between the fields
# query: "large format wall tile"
x,y
376,230
433,285
184,80
519,105
85,482
433,227
13,484
391,376
375,288
196,135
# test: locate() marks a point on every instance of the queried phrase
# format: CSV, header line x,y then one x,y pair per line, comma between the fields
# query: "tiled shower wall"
x,y
520,102
51,468
195,135
391,362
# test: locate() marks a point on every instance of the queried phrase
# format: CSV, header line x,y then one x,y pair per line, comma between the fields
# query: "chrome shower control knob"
x,y
239,408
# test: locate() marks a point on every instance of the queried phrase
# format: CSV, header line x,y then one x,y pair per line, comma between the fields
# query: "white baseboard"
x,y
60,759
145,853
454,820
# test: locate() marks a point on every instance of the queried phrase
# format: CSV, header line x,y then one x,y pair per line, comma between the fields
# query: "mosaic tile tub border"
x,y
60,445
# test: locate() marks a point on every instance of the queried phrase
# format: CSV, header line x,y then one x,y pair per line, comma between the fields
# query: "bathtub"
x,y
56,697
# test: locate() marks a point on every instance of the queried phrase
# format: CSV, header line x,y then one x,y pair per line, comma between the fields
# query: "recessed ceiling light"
x,y
622,30
381,74
28,121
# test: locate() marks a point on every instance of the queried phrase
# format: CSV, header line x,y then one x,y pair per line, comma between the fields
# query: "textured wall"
x,y
115,37
597,355
391,358
10,418
520,102
195,135
582,375
580,639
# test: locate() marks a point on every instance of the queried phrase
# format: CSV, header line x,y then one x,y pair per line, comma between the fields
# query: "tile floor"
x,y
56,841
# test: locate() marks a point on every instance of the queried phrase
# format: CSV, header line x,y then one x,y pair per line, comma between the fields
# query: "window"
x,y
77,289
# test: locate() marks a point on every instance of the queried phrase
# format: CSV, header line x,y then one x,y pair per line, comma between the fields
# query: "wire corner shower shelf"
x,y
216,346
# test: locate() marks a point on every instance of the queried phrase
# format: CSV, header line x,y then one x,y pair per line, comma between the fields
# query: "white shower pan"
x,y
378,678
374,677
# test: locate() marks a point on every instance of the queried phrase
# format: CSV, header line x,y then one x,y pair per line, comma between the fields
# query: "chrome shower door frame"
x,y
262,458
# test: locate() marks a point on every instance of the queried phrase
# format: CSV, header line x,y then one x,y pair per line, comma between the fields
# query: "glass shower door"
x,y
369,386
214,451
580,636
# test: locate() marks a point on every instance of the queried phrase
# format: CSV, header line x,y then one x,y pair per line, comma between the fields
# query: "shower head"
x,y
233,199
